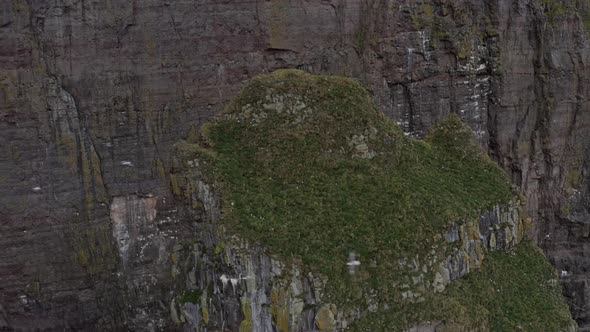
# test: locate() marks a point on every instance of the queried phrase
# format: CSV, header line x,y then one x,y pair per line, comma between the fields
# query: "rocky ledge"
x,y
240,272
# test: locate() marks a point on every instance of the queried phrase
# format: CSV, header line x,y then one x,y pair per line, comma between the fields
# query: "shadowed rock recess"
x,y
107,222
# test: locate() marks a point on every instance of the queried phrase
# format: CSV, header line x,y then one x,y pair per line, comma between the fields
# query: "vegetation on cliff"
x,y
308,167
515,291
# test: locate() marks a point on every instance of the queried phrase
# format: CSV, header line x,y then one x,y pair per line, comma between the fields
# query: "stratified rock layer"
x,y
94,94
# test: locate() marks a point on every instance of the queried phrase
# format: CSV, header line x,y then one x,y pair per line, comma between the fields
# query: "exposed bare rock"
x,y
93,94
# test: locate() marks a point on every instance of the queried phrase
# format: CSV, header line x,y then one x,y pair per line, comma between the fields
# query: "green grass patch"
x,y
515,291
191,296
308,167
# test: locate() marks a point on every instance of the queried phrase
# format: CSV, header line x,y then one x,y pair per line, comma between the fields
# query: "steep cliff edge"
x,y
94,94
308,169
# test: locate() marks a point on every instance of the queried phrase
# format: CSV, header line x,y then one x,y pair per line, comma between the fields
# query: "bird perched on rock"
x,y
353,263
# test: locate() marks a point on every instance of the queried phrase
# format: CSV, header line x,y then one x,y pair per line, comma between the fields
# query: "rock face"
x,y
240,287
93,95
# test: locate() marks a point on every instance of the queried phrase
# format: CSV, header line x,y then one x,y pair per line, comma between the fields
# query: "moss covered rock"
x,y
307,167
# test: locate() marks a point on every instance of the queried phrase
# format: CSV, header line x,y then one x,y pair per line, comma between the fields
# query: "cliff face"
x,y
306,167
94,94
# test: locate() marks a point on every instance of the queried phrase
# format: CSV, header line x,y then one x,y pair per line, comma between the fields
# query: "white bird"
x,y
224,280
352,263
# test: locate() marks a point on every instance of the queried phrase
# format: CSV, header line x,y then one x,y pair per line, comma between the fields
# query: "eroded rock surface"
x,y
93,95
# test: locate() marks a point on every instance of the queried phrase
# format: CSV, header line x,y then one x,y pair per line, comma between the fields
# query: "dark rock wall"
x,y
540,133
94,93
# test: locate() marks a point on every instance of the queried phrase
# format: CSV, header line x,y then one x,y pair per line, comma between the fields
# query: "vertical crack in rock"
x,y
78,150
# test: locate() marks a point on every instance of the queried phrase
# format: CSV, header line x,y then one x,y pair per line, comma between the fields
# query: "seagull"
x,y
352,263
224,280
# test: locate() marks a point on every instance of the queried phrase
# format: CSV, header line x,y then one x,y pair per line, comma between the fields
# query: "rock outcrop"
x,y
265,140
94,94
239,286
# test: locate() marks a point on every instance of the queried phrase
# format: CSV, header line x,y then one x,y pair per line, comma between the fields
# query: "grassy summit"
x,y
312,170
309,168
